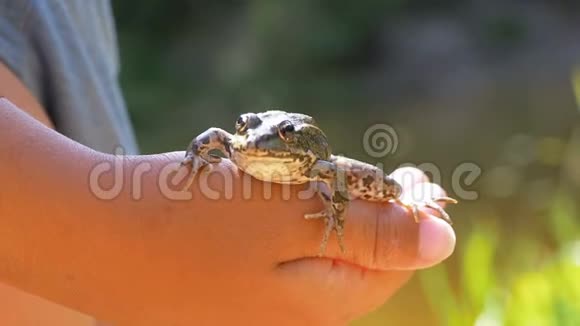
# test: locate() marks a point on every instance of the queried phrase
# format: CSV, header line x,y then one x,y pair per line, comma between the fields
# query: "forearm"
x,y
57,238
49,227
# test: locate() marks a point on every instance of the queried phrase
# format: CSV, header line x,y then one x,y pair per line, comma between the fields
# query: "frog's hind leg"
x,y
334,207
433,204
325,214
339,204
333,214
329,226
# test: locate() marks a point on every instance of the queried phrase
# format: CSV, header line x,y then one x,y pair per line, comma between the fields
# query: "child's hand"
x,y
257,258
140,258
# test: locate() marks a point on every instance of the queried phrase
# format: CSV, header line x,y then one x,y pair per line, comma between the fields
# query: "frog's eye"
x,y
286,131
242,124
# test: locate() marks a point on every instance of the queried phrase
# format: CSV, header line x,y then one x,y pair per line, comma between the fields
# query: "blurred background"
x,y
487,82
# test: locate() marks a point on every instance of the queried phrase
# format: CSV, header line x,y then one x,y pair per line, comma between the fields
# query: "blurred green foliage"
x,y
486,82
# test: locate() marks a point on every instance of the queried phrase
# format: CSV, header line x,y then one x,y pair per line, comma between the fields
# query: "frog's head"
x,y
278,138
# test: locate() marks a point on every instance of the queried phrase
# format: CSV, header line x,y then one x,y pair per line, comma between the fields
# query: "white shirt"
x,y
65,52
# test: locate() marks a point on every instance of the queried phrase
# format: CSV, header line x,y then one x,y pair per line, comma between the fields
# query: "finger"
x,y
385,237
436,237
401,243
353,291
407,177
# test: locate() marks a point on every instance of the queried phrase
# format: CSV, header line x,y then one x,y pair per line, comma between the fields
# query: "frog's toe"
x,y
446,200
433,204
415,209
197,163
339,229
314,216
188,160
442,213
329,222
188,182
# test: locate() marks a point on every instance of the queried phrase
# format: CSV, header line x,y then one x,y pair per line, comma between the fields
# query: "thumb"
x,y
385,236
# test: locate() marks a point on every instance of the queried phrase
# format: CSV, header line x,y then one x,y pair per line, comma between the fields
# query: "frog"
x,y
290,148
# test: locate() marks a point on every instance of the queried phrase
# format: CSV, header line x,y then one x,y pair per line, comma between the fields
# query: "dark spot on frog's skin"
x,y
325,196
390,182
263,140
254,120
368,180
228,146
366,196
339,198
351,179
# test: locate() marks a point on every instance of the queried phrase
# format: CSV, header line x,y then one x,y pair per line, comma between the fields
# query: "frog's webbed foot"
x,y
323,213
334,218
430,203
334,206
196,163
198,152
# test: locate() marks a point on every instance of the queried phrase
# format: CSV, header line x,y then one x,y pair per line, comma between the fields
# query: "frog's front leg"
x,y
198,154
335,203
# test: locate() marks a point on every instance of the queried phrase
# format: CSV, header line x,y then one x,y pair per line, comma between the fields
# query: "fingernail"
x,y
436,241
